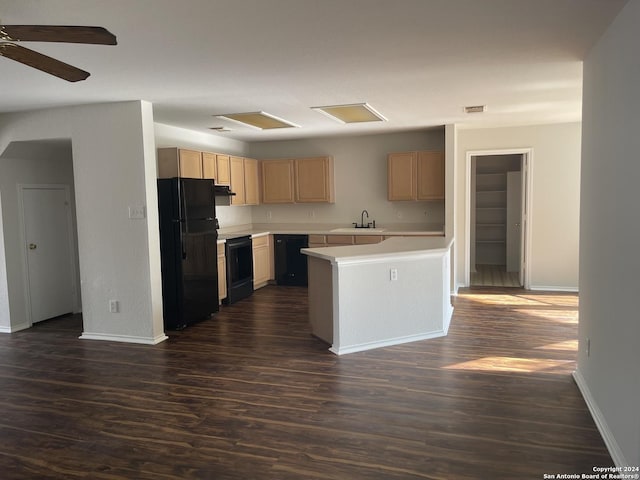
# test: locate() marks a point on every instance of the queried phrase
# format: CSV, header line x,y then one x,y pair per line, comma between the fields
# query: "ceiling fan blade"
x,y
42,62
58,33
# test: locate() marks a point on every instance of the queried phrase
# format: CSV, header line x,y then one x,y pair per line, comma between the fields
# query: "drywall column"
x,y
5,317
609,331
450,155
115,169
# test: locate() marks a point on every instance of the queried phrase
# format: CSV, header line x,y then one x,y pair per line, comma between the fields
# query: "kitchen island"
x,y
368,296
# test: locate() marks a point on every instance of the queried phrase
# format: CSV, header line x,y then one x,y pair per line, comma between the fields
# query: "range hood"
x,y
223,194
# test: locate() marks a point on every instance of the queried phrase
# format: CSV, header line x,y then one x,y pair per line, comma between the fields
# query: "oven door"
x,y
239,252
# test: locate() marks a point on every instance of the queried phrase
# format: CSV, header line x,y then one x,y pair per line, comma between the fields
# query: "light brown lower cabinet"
x,y
262,259
316,241
222,272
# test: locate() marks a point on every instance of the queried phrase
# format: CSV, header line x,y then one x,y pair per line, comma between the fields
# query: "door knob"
x,y
32,246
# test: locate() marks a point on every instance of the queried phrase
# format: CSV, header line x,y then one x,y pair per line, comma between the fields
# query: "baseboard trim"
x,y
609,440
123,338
385,343
14,328
553,288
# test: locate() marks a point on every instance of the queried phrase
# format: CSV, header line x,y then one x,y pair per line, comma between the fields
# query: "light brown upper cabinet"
x,y
314,180
209,169
179,162
277,181
430,176
237,180
298,180
401,176
223,170
251,187
244,181
416,175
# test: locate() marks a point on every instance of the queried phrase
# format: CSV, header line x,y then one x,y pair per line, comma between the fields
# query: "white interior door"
x,y
514,221
48,251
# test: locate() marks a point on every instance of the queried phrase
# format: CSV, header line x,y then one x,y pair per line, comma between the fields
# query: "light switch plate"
x,y
136,212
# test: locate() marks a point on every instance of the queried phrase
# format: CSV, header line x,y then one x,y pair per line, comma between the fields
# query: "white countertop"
x,y
259,229
392,247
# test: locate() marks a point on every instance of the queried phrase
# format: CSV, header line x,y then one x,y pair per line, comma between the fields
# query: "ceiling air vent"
x,y
474,109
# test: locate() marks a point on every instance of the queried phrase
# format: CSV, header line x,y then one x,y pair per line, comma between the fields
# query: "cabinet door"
x,y
223,168
430,176
209,165
190,162
237,180
314,179
401,176
251,194
339,240
261,263
316,241
367,239
222,272
277,181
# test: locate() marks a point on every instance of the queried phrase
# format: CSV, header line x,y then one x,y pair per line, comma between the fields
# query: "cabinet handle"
x,y
32,246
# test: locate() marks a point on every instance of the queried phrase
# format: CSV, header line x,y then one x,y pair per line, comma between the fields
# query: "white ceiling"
x,y
418,62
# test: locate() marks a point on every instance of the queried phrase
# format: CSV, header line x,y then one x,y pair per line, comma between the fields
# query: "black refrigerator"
x,y
188,250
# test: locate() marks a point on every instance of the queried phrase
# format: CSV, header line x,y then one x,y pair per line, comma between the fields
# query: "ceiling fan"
x,y
11,34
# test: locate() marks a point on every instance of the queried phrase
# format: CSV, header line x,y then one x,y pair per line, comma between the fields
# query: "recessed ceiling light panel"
x,y
259,120
352,113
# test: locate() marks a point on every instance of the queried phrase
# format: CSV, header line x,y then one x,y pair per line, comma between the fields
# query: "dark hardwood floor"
x,y
252,395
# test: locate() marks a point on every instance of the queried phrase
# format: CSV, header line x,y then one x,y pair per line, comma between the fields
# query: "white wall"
x,y
610,236
360,165
47,162
555,197
112,164
170,136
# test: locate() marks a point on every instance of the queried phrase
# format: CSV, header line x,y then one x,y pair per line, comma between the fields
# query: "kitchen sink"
x,y
358,230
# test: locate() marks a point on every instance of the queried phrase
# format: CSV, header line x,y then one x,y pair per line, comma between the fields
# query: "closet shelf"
x,y
490,242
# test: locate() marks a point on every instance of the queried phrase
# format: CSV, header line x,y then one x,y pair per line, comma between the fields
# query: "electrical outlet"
x,y
393,274
114,306
269,214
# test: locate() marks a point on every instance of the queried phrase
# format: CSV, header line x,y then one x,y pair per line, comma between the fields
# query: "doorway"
x,y
48,251
497,206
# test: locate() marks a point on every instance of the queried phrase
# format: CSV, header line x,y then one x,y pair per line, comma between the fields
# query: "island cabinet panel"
x,y
222,272
223,169
251,193
415,176
237,180
179,162
277,181
261,261
314,180
209,169
430,173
